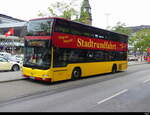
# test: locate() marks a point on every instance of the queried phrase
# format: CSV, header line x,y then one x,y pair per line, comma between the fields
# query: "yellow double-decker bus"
x,y
58,49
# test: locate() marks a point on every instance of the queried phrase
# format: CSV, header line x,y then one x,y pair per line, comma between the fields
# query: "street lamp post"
x,y
107,19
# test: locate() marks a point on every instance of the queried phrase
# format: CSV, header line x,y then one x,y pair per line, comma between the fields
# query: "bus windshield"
x,y
37,54
39,27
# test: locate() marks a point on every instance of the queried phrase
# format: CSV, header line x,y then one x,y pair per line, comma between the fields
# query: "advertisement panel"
x,y
74,41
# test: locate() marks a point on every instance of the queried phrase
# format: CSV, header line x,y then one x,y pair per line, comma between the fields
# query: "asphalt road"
x,y
121,92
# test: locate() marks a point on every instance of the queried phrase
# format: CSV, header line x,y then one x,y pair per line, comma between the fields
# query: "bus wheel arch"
x,y
114,68
76,73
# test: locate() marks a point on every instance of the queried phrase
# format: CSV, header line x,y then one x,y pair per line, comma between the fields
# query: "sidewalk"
x,y
136,62
10,76
14,76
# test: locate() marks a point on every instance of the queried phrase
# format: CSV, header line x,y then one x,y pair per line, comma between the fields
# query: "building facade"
x,y
13,43
138,28
4,19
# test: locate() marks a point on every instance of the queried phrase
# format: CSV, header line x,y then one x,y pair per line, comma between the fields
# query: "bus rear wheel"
x,y
76,73
114,69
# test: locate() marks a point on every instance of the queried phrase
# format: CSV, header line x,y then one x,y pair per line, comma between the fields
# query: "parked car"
x,y
5,64
16,58
5,55
132,58
10,57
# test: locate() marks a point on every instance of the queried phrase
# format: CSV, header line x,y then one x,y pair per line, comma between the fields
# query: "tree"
x,y
62,9
140,40
68,11
120,28
84,18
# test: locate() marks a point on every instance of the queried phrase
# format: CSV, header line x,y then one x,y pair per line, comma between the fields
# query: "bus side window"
x,y
88,32
106,56
62,26
100,34
99,56
60,59
75,32
76,56
75,28
121,56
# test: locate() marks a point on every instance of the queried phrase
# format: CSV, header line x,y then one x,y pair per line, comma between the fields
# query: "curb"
x,y
137,64
12,80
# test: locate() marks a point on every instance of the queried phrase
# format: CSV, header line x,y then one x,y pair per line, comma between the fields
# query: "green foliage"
x,y
1,31
84,15
120,28
62,9
140,40
66,10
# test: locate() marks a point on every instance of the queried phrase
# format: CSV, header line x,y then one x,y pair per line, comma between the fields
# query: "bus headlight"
x,y
45,75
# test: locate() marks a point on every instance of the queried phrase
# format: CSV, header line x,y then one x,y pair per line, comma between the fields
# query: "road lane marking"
x,y
146,81
119,93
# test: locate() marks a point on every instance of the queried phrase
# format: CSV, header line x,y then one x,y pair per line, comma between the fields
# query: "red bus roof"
x,y
50,18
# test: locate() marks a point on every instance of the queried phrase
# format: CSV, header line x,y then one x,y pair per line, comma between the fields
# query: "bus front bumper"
x,y
36,74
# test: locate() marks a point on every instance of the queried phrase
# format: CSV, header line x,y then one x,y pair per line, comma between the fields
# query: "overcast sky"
x,y
130,12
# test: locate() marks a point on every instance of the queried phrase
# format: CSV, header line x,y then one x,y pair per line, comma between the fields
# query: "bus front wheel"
x,y
76,73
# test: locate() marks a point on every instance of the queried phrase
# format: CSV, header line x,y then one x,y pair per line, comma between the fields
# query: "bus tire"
x,y
114,68
76,73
